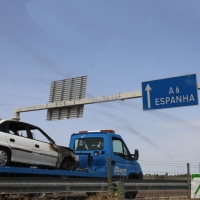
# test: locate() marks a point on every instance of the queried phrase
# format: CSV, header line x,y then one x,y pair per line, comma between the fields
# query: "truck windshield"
x,y
89,144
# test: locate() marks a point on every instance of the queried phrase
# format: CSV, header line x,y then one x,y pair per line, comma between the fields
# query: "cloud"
x,y
195,124
6,104
22,96
36,57
123,126
135,132
46,63
176,122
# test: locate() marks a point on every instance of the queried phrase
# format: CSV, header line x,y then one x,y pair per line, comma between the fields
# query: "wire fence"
x,y
167,169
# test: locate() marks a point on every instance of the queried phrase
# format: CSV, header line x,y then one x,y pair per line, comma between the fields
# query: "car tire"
x,y
67,164
4,157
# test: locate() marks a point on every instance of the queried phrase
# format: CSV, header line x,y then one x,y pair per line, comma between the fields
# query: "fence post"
x,y
188,180
119,189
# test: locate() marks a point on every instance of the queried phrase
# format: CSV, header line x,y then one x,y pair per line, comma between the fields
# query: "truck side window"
x,y
120,149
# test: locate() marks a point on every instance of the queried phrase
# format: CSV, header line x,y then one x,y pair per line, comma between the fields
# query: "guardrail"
x,y
22,185
29,183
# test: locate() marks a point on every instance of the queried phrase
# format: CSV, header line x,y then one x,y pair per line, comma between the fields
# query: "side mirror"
x,y
136,154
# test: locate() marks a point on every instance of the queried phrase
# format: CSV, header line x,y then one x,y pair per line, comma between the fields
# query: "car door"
x,y
43,152
20,142
3,133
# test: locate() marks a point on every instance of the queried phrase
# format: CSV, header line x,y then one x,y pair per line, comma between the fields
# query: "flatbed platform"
x,y
52,172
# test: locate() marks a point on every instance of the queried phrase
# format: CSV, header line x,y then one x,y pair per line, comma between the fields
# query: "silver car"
x,y
24,143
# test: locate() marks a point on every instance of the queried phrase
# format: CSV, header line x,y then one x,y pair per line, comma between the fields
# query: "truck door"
x,y
121,159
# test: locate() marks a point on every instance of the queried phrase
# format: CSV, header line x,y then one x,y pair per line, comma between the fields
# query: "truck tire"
x,y
131,194
4,196
67,164
4,157
89,194
33,196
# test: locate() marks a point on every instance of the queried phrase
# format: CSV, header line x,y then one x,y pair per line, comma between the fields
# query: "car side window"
x,y
38,135
3,127
23,133
11,132
17,128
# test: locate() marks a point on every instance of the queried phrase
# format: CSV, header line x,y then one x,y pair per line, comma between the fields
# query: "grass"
x,y
103,197
150,195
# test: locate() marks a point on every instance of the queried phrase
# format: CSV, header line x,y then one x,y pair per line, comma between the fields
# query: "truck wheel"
x,y
34,195
67,164
4,196
131,194
89,194
4,157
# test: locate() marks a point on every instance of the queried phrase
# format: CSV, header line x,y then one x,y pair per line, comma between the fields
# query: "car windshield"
x,y
89,144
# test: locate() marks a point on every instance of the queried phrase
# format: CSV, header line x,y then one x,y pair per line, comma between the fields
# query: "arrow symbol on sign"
x,y
148,88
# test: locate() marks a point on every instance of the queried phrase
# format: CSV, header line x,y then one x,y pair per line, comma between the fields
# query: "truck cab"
x,y
95,147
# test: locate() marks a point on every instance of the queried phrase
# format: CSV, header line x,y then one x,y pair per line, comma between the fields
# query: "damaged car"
x,y
23,143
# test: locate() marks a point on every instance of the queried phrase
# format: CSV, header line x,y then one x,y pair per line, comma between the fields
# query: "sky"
x,y
117,45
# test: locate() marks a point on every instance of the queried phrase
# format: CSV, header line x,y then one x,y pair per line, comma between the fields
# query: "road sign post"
x,y
170,92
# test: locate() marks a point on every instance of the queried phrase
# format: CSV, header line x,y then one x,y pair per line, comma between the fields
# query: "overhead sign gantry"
x,y
62,107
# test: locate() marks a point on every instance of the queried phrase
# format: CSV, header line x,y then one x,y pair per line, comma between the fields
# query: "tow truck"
x,y
93,149
101,154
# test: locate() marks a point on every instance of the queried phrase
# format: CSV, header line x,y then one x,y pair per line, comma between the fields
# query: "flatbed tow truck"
x,y
102,155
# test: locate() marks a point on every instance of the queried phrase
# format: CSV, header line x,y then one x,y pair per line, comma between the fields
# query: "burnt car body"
x,y
27,144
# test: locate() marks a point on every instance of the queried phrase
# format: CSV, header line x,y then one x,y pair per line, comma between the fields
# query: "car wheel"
x,y
4,157
67,164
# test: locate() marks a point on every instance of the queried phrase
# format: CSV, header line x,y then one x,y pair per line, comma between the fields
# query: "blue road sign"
x,y
170,92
